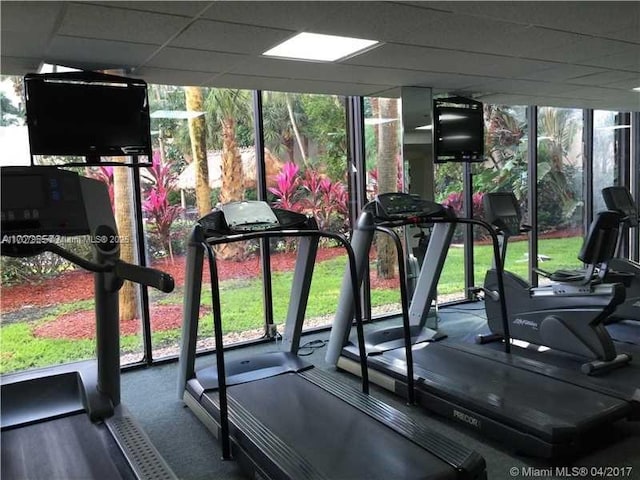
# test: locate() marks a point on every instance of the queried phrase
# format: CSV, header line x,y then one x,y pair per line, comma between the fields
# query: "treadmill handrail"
x,y
206,244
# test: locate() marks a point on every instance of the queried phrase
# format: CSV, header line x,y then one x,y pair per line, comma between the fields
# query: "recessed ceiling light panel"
x,y
318,47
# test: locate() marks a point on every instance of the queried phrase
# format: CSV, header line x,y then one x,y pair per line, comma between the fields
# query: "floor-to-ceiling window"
x,y
504,170
560,184
306,163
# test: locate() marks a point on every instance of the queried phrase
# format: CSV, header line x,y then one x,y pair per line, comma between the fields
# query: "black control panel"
x,y
501,210
620,199
403,206
42,201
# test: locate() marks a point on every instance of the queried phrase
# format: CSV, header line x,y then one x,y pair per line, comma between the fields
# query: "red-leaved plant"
x,y
160,182
286,188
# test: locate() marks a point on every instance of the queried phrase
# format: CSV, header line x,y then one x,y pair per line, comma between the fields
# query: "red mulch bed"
x,y
81,325
78,285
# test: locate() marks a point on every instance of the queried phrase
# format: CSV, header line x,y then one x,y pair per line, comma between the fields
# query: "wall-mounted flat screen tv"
x,y
87,114
458,130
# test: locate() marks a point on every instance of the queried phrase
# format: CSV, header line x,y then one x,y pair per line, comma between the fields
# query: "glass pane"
x,y
200,133
47,303
306,149
385,173
448,191
604,154
560,188
505,170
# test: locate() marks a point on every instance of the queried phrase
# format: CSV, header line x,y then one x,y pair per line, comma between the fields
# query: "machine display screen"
x,y
13,192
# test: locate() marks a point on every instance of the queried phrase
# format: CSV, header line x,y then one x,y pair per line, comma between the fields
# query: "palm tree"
x,y
387,178
198,135
123,208
228,107
283,118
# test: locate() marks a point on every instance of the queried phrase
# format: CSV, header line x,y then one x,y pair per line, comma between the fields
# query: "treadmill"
x,y
67,421
276,414
529,405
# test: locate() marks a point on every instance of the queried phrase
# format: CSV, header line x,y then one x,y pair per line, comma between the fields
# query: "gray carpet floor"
x,y
193,453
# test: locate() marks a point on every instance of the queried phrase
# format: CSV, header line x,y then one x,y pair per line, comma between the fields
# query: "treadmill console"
x,y
621,200
403,206
251,216
501,210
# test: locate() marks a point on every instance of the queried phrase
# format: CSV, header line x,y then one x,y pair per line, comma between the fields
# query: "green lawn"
x,y
242,304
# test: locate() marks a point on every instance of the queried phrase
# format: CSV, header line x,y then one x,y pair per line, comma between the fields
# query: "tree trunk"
x,y
387,179
232,182
123,205
197,134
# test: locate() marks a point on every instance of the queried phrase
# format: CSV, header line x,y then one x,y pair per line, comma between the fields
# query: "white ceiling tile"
x,y
585,49
165,76
561,72
199,60
303,86
23,44
292,15
629,60
605,78
183,8
593,17
82,52
18,65
109,23
30,16
229,37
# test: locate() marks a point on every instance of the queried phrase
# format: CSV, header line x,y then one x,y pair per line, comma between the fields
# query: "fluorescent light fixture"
x,y
424,127
456,137
637,89
613,127
315,46
175,114
50,68
450,116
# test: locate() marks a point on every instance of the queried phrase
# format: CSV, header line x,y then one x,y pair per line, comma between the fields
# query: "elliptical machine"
x,y
70,416
620,269
567,315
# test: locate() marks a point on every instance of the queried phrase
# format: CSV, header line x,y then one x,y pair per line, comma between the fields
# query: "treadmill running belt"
x,y
66,448
526,400
339,440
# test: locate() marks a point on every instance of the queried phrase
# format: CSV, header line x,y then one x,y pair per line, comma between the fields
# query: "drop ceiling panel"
x,y
586,49
185,9
19,65
309,86
286,15
92,21
525,87
196,60
97,54
383,21
562,72
464,32
329,72
581,17
165,76
629,60
605,78
23,44
229,37
35,17
452,61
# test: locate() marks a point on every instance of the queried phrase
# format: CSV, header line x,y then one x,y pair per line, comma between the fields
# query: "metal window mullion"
x,y
261,183
532,161
467,189
356,179
634,176
142,260
587,167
